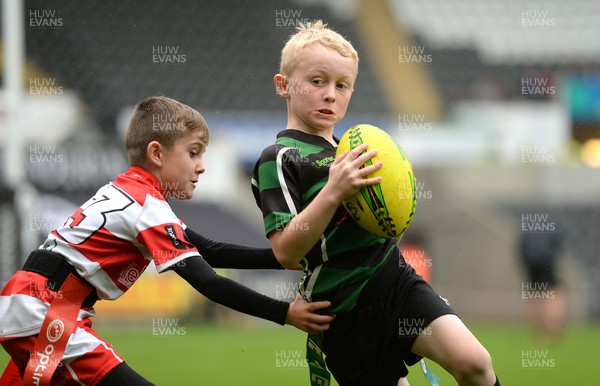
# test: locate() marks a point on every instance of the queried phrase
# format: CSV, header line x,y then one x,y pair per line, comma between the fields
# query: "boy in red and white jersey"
x,y
104,247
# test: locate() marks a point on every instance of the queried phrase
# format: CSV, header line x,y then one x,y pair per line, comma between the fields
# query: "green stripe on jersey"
x,y
268,173
311,192
346,256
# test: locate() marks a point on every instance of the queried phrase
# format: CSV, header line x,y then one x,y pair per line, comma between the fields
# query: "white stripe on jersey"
x,y
315,274
163,267
284,187
23,315
90,270
154,212
82,342
324,248
311,283
73,375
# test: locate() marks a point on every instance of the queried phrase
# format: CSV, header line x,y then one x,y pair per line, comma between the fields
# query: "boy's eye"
x,y
193,153
318,82
342,86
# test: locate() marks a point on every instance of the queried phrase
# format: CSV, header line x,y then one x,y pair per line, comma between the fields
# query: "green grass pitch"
x,y
227,355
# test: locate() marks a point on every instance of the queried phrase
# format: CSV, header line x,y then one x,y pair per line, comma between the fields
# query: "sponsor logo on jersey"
x,y
178,244
129,275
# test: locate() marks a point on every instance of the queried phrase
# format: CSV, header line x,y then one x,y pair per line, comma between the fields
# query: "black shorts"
x,y
541,275
371,345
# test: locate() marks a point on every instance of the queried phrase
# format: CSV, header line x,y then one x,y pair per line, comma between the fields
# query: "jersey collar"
x,y
139,173
309,138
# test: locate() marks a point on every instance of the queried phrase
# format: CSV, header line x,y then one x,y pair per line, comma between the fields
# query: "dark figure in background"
x,y
543,292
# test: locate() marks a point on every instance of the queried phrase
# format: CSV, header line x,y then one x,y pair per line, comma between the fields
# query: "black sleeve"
x,y
225,255
229,293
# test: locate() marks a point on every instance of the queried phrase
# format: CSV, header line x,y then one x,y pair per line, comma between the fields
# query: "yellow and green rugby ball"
x,y
387,208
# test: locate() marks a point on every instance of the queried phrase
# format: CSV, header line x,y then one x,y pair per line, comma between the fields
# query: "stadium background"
x,y
496,103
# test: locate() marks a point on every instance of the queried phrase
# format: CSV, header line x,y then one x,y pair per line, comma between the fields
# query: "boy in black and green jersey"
x,y
351,255
387,316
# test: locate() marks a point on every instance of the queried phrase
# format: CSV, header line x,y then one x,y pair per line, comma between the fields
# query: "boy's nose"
x,y
200,168
330,98
329,95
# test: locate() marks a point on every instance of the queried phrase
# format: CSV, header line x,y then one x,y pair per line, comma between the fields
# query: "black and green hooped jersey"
x,y
286,179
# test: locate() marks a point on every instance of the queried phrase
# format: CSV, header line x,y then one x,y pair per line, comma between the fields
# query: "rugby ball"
x,y
387,208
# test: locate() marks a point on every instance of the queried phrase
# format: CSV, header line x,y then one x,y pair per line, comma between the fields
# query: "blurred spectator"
x,y
543,292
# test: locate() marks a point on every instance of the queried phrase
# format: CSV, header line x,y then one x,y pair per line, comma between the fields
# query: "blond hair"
x,y
309,34
160,119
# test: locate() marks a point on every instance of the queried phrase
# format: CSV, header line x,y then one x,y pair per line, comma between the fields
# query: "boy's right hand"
x,y
346,177
347,174
303,316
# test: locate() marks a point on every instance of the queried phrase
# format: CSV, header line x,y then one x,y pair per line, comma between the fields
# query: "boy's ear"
x,y
154,154
281,85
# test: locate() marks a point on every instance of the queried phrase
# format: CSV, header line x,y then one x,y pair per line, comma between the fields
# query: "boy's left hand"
x,y
303,316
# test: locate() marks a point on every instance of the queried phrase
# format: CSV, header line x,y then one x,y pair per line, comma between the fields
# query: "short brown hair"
x,y
161,119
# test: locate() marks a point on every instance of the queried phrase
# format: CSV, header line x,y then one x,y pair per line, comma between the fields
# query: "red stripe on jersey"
x,y
122,261
139,183
30,284
165,242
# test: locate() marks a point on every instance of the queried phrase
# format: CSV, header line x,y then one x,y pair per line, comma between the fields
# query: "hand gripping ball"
x,y
387,208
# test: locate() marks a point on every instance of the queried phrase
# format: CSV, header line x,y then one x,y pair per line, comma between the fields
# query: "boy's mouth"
x,y
325,111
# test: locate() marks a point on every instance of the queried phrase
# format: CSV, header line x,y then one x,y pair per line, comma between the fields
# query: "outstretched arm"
x,y
229,293
226,255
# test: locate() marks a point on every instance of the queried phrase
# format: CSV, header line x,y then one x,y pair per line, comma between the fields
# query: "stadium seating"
x,y
523,31
230,53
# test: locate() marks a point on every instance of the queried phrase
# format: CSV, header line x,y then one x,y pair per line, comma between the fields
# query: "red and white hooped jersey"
x,y
110,240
